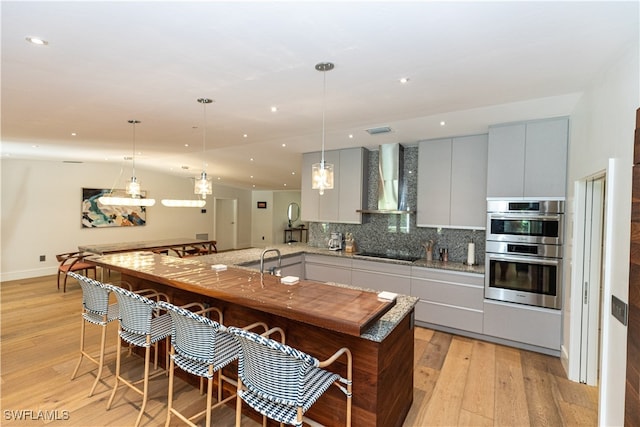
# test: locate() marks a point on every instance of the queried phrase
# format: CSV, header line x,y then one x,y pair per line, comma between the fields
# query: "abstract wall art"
x,y
97,215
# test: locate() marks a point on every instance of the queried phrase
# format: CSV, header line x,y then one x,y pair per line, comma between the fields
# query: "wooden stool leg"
x,y
75,371
145,387
115,386
170,394
103,342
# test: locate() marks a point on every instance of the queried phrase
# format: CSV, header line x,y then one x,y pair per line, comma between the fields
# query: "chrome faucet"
x,y
273,270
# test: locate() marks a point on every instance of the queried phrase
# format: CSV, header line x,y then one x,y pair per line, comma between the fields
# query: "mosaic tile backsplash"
x,y
398,234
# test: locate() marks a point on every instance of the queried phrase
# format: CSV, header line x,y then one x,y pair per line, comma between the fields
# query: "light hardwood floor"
x,y
457,381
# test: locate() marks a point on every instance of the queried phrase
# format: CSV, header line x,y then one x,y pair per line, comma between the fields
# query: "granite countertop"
x,y
252,255
376,332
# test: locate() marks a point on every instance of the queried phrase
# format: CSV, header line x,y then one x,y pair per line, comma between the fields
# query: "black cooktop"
x,y
399,257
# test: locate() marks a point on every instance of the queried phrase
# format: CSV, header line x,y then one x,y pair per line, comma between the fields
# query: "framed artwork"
x,y
97,215
262,205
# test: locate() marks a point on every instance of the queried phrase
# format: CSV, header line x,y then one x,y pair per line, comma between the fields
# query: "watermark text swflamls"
x,y
36,414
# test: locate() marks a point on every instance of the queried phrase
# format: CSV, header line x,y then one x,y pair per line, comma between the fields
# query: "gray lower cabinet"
x,y
448,298
381,276
522,323
323,268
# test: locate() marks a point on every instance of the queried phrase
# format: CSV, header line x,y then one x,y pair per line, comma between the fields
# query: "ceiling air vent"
x,y
378,130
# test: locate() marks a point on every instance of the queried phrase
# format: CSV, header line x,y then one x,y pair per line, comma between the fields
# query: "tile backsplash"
x,y
398,234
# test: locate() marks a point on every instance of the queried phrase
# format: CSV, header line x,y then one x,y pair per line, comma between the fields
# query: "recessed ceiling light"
x,y
186,145
284,145
251,177
37,40
350,136
245,136
73,134
274,109
285,185
442,123
293,173
251,159
404,80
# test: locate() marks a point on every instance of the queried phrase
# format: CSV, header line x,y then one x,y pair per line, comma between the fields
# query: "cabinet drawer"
x,y
455,294
449,316
328,260
448,276
382,267
522,323
381,281
325,273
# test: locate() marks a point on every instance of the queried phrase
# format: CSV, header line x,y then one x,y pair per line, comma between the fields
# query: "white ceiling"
x,y
108,62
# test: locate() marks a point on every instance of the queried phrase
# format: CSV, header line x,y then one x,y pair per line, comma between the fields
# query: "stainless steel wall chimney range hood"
x,y
392,197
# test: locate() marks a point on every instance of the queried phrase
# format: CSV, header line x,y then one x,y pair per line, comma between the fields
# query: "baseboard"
x,y
27,274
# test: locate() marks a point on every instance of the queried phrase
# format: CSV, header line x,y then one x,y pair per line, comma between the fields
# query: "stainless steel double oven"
x,y
524,252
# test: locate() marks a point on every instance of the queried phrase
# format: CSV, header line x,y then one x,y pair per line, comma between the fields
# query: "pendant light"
x,y
322,173
133,187
184,203
203,185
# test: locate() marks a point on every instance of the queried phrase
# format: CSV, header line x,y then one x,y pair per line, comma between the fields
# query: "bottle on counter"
x,y
350,243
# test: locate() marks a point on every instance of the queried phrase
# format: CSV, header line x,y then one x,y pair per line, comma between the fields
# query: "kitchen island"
x,y
317,318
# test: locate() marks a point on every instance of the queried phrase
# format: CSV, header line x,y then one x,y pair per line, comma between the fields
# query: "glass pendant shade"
x,y
322,177
174,203
133,187
203,186
126,201
322,173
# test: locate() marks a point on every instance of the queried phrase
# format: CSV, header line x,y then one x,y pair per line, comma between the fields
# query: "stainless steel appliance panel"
x,y
524,279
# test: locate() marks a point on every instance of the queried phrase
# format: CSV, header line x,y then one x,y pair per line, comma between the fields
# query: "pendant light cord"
x,y
204,102
324,109
133,154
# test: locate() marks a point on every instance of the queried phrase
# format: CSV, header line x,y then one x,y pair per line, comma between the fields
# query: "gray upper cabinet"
x,y
349,187
434,182
545,172
452,175
469,181
528,159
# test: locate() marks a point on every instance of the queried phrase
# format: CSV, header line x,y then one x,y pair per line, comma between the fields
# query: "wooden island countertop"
x,y
317,318
341,309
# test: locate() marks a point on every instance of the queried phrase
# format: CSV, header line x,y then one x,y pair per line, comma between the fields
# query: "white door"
x,y
226,222
591,271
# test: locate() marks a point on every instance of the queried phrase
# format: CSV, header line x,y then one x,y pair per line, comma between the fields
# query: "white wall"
x,y
262,219
244,211
41,212
602,128
281,200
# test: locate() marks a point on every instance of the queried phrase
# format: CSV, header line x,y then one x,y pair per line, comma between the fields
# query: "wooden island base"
x,y
382,371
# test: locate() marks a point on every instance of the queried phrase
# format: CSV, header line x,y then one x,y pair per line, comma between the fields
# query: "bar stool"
x,y
281,382
141,325
201,347
97,311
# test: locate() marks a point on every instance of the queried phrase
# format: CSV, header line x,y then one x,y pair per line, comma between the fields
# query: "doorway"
x,y
226,223
588,278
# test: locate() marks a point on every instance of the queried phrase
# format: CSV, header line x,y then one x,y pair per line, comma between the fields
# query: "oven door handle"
x,y
526,217
527,259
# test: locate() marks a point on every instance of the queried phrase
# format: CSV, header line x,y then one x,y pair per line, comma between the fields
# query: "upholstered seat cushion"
x,y
316,382
160,329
